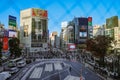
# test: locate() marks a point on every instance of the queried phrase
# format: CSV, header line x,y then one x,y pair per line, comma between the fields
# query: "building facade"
x,y
112,29
34,29
98,30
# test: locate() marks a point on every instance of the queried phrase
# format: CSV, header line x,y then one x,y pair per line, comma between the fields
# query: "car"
x,y
21,63
5,75
12,69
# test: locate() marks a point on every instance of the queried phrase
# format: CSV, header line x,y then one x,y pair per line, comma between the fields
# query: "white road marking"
x,y
36,73
48,67
57,66
69,77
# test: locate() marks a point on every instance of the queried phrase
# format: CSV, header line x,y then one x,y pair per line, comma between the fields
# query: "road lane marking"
x,y
36,73
69,77
48,67
57,66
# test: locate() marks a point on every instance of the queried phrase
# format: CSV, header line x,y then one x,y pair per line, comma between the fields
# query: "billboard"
x,y
39,13
5,43
83,34
12,21
83,28
83,21
12,33
112,22
71,46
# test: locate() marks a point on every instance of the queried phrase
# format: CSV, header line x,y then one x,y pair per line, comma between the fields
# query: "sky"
x,y
62,10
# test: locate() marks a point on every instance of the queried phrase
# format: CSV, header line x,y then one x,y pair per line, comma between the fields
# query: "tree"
x,y
99,46
14,47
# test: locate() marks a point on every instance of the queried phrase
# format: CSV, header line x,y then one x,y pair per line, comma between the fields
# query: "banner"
x,y
39,13
5,43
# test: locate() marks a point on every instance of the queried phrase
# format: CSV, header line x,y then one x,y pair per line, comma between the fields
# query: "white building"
x,y
98,30
34,29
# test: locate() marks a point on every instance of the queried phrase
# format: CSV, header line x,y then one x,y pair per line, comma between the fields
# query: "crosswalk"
x,y
69,77
48,67
36,72
57,66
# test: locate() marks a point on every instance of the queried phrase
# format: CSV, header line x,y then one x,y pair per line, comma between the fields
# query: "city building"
x,y
83,30
98,30
63,35
54,40
34,29
112,29
77,31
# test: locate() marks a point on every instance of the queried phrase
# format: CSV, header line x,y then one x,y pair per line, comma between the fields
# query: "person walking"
x,y
70,68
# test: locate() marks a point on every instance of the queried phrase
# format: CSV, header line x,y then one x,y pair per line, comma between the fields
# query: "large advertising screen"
x,y
12,33
39,13
83,34
71,46
83,28
112,22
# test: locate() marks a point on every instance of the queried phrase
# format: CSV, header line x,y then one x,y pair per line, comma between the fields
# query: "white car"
x,y
4,75
21,63
13,70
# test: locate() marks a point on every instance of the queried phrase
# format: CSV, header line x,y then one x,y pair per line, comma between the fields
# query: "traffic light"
x,y
89,21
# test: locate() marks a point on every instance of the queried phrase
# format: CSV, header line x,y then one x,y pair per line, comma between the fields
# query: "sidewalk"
x,y
92,69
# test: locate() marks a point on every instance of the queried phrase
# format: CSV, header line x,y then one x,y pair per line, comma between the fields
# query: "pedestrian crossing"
x,y
36,72
48,67
69,77
58,66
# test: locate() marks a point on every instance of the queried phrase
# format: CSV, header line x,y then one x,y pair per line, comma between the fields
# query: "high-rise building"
x,y
83,30
63,34
34,29
112,29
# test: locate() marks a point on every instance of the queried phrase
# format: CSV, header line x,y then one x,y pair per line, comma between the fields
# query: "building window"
x,y
25,30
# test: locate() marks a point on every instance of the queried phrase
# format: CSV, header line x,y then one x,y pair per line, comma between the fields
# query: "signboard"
x,y
39,13
12,21
83,28
83,34
12,33
71,46
5,43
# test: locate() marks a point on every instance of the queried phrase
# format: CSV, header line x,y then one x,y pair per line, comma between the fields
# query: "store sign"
x,y
39,13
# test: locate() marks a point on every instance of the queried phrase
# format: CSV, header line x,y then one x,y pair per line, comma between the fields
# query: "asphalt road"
x,y
55,70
